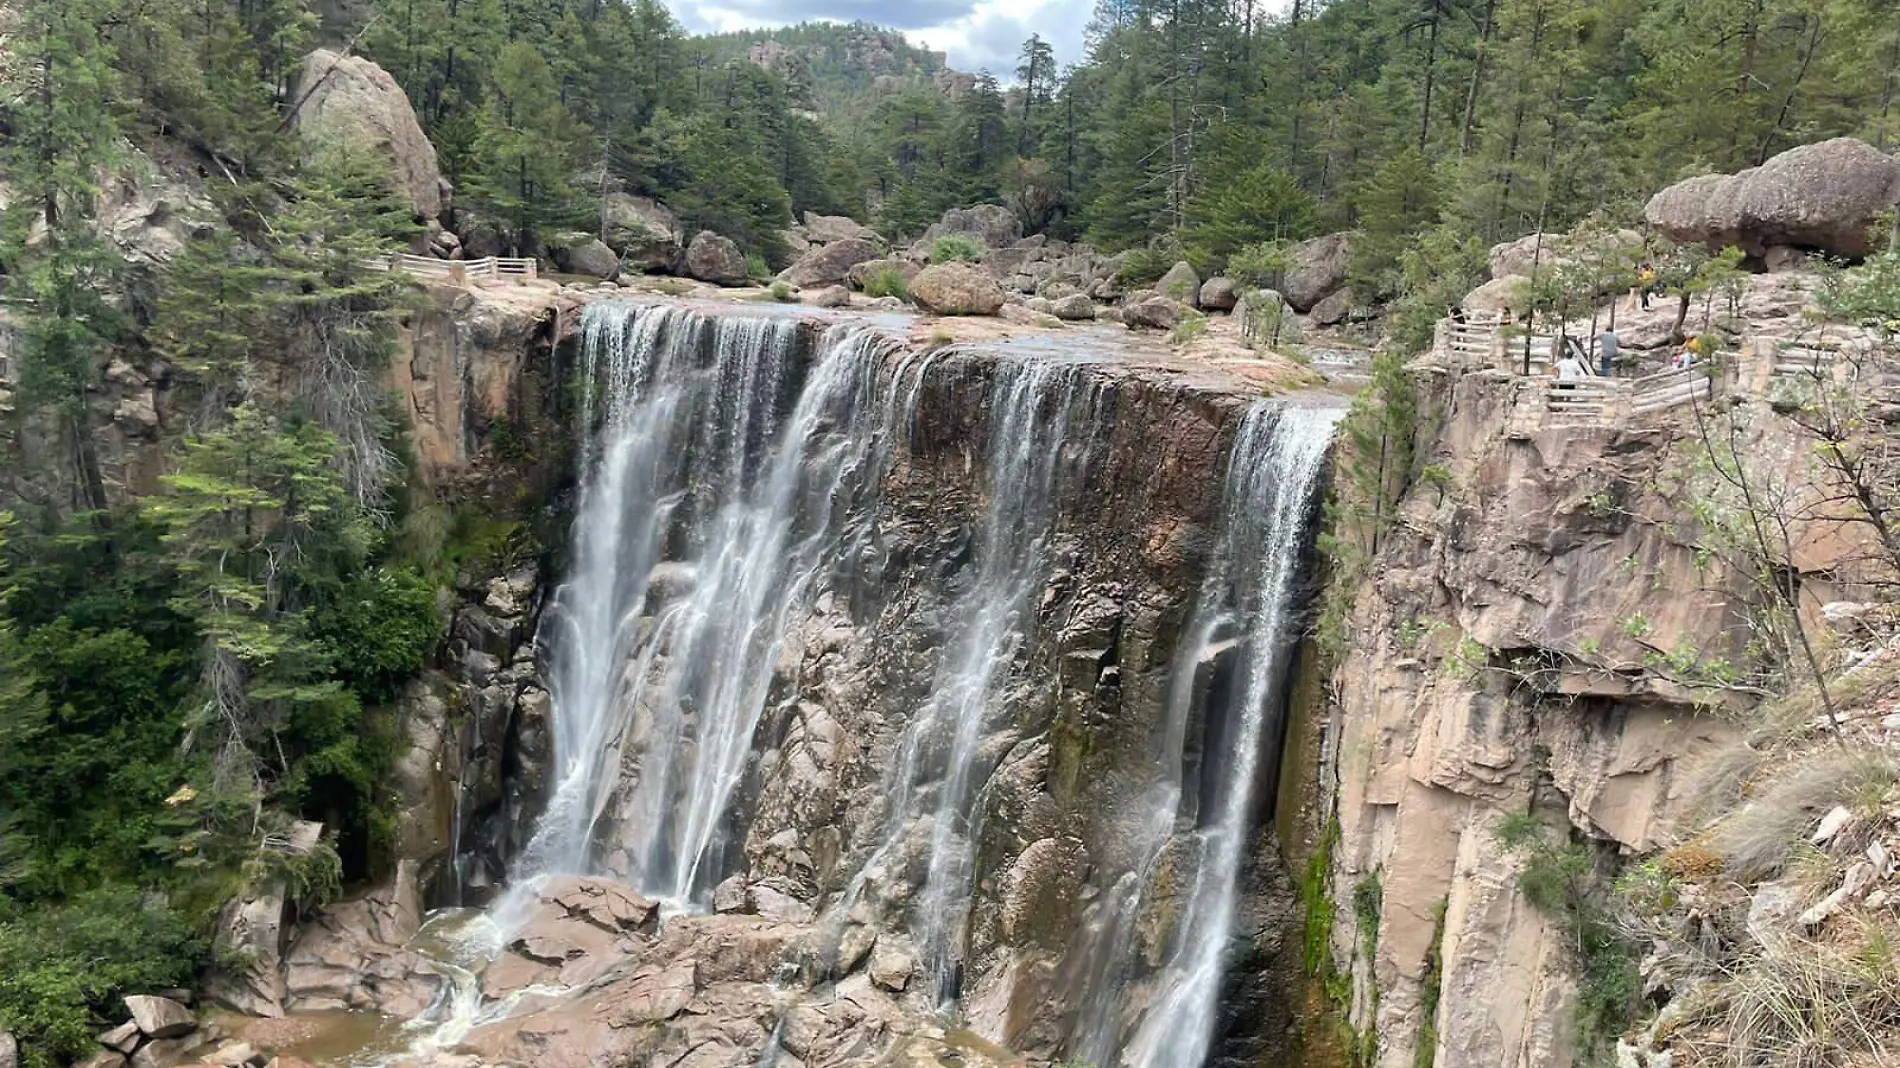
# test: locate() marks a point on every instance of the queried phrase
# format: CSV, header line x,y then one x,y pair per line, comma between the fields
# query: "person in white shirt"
x,y
1570,369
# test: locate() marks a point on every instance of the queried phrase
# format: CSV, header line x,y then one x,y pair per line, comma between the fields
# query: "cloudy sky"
x,y
978,34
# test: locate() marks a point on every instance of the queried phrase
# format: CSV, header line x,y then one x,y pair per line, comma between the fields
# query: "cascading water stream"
x,y
687,488
729,482
1245,611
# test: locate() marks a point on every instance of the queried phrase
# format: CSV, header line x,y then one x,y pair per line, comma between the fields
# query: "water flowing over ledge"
x,y
920,652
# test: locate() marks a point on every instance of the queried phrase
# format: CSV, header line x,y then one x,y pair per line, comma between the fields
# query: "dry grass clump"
x,y
1757,839
1800,1003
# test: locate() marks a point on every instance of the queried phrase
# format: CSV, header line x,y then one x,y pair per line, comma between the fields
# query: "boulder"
x,y
124,1038
1075,308
1498,295
166,1052
1781,259
149,216
956,289
824,229
1023,315
351,98
716,259
231,1055
861,274
828,265
1319,269
1154,313
591,257
829,297
160,1017
1822,196
1040,305
9,1050
1333,310
250,936
105,1058
1219,294
992,224
1182,284
644,231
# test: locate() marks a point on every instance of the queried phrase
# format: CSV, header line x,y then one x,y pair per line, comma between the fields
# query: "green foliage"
x,y
1260,205
782,292
63,968
1260,263
1560,879
956,248
887,282
1189,329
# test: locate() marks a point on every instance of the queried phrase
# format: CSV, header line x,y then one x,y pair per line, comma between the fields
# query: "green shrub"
x,y
1142,266
1190,329
781,292
1263,264
756,267
887,282
379,629
64,969
956,248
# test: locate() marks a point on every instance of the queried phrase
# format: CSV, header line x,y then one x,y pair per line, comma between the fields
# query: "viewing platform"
x,y
460,272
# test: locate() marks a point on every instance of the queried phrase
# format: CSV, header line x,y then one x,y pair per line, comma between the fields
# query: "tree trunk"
x,y
1477,78
1431,76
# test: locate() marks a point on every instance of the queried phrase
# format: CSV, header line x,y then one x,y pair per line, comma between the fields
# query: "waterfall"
x,y
1031,410
1244,615
689,510
733,482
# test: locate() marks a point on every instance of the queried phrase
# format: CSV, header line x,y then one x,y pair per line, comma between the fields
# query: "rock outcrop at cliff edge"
x,y
1821,196
352,98
956,289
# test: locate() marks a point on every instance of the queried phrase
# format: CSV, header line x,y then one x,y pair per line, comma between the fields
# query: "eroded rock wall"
x,y
1507,658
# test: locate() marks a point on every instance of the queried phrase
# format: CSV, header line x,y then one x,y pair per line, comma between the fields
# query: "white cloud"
x,y
977,34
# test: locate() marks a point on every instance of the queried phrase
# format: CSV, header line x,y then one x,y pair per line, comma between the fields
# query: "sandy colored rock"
x,y
861,274
1219,294
350,97
1154,313
716,259
591,257
1182,284
1819,196
828,265
993,225
1076,307
158,1017
829,297
824,229
956,289
1318,269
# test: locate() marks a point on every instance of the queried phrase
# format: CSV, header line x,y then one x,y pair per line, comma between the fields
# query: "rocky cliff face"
x,y
1546,641
846,891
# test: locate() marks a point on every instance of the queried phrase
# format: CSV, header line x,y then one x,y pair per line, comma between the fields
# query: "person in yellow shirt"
x,y
1645,283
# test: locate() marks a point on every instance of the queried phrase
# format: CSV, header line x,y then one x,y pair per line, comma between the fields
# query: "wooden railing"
x,y
1666,390
459,272
1473,337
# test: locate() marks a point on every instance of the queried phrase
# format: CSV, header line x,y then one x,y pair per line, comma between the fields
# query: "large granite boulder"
x,y
160,1017
591,257
351,98
956,289
824,229
1154,313
1074,308
644,231
991,224
1182,284
827,265
1219,294
716,259
861,274
1821,196
1319,269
